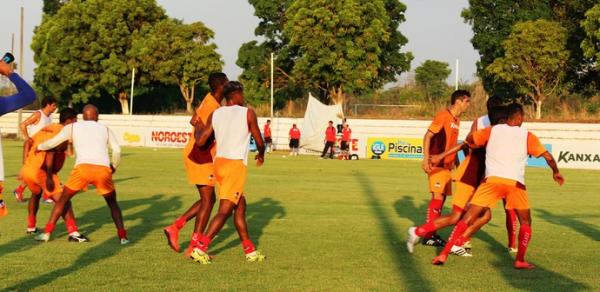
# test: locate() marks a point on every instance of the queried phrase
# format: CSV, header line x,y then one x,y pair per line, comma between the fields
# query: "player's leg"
x,y
524,216
325,148
485,217
416,233
117,215
172,231
331,149
57,210
470,216
511,227
239,220
32,208
207,197
199,253
72,229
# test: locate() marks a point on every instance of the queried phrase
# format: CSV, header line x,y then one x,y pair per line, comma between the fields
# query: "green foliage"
x,y
535,59
52,6
431,76
174,53
83,51
591,25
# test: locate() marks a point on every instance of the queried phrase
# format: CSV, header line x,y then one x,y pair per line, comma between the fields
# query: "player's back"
x,y
506,153
230,124
36,158
90,140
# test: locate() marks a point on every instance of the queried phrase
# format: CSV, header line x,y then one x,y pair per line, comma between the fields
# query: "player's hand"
x,y
50,183
558,178
260,159
435,159
426,165
5,69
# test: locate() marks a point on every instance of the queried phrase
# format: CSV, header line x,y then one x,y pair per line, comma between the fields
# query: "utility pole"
x,y
456,77
20,111
272,85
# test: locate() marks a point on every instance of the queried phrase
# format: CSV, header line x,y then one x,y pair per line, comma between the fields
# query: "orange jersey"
x,y
35,159
445,135
472,170
203,111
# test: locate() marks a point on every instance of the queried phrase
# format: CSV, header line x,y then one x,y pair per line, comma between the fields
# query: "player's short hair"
x,y
514,109
216,80
331,122
493,101
67,114
48,100
459,94
232,87
497,114
268,121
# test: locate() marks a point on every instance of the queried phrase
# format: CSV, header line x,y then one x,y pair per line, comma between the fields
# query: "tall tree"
x,y
82,51
52,6
431,76
591,44
535,59
179,54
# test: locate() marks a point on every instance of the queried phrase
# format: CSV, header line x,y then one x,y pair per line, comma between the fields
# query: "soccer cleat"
x,y
523,265
45,237
467,245
412,239
439,260
77,237
512,250
47,199
200,256
255,256
435,240
172,234
18,192
124,241
32,230
460,251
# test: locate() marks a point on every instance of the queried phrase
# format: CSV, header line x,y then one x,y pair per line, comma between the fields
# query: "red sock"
x,y
524,238
425,229
49,228
122,233
460,241
248,246
511,227
31,221
180,222
21,188
71,226
195,239
434,210
204,242
456,233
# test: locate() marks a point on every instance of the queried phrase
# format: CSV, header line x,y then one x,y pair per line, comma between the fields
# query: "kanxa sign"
x,y
577,154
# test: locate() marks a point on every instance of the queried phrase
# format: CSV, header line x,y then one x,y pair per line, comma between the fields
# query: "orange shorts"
x,y
440,181
464,193
231,178
198,174
97,175
495,189
35,179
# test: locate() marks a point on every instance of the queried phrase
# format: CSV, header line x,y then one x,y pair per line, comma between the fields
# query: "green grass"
x,y
324,225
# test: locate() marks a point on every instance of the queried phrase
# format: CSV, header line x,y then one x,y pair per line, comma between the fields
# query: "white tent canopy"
x,y
316,117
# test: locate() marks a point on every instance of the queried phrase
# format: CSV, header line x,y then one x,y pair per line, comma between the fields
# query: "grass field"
x,y
324,225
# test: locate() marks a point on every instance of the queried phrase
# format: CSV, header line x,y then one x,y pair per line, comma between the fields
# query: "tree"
x,y
535,59
83,51
431,76
591,26
179,54
52,6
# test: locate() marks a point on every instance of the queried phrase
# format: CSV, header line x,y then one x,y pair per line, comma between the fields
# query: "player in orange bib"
x,y
507,149
40,171
198,164
232,126
442,135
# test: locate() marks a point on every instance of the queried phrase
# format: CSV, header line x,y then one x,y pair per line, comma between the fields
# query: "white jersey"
x,y
506,153
43,122
483,122
230,124
90,140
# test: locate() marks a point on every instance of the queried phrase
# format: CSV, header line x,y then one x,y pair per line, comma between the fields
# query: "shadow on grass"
x,y
413,277
581,227
153,216
258,215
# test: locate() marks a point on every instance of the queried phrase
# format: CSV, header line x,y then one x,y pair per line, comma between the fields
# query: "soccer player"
x,y
507,147
268,137
330,137
40,174
345,145
92,166
441,135
294,140
25,95
199,167
232,125
467,178
29,127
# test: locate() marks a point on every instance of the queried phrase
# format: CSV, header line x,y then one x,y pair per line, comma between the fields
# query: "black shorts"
x,y
294,143
268,140
344,146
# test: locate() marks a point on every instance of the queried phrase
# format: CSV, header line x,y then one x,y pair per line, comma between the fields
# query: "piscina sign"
x,y
395,148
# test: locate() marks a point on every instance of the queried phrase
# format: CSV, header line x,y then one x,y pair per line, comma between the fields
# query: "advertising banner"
x,y
395,148
577,154
164,137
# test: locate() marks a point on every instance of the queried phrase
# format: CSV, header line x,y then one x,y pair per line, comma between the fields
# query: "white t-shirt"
x,y
230,124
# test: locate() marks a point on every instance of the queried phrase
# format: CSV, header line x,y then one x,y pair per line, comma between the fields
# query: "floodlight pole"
x,y
20,111
272,57
131,95
456,77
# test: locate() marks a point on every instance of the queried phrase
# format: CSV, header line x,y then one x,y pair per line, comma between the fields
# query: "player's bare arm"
x,y
31,120
435,159
426,143
202,132
255,131
195,119
556,175
63,136
49,166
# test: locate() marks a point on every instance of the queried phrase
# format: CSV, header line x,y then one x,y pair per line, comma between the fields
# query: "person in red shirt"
x,y
267,136
294,140
330,137
345,145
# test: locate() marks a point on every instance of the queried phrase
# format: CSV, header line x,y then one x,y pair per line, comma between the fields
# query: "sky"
x,y
434,29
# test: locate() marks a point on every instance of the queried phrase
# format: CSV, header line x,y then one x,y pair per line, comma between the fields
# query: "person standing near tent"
x,y
294,140
345,144
330,137
267,136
